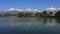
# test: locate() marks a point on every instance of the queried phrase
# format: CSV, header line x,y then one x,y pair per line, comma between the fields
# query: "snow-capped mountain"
x,y
28,9
14,10
11,10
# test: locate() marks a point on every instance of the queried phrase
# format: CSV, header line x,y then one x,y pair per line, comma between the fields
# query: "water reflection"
x,y
30,24
57,20
28,21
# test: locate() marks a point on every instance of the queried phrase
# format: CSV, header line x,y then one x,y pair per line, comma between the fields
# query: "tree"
x,y
57,14
29,15
20,14
50,13
37,14
44,13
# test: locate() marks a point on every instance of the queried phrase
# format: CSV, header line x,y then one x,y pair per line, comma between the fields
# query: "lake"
x,y
29,25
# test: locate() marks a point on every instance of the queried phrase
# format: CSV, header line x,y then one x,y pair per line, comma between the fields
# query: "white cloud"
x,y
51,8
58,8
28,9
32,10
37,10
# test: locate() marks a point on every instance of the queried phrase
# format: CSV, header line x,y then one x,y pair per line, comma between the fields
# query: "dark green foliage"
x,y
20,15
44,20
29,15
44,13
57,20
37,14
50,13
57,14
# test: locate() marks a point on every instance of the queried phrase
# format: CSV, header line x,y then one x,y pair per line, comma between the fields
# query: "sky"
x,y
34,4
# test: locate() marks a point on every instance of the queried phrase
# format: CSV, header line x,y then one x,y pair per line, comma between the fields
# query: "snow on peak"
x,y
26,10
11,9
19,10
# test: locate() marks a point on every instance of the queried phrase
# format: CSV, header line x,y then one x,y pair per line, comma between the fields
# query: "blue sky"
x,y
39,4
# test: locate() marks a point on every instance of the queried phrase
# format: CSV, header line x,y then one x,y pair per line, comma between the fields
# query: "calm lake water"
x,y
29,25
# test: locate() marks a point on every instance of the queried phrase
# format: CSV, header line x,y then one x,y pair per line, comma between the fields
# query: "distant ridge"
x,y
15,10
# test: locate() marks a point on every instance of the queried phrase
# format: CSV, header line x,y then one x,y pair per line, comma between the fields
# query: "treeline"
x,y
50,14
29,14
41,14
37,14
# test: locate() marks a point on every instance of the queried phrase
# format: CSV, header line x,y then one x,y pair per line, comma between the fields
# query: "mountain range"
x,y
14,10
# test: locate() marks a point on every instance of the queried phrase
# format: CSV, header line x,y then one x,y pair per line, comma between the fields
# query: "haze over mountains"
x,y
14,10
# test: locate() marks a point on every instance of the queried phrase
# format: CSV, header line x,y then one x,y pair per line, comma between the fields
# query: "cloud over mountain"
x,y
51,8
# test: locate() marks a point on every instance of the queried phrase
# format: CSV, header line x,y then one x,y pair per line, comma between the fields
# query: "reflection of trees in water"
x,y
52,22
33,20
44,20
12,21
49,21
28,20
39,20
57,20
